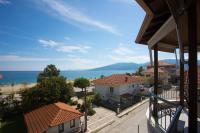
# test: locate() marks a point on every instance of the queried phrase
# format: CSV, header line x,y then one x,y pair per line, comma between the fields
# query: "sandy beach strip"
x,y
5,89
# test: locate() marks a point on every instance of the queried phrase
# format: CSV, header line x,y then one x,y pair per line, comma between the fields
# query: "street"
x,y
130,122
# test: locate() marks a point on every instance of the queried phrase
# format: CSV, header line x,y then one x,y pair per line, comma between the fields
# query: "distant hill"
x,y
118,66
132,66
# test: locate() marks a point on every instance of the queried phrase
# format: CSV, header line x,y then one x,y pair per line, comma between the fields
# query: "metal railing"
x,y
170,94
167,108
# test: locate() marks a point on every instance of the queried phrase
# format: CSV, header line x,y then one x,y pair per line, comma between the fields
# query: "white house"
x,y
53,118
117,86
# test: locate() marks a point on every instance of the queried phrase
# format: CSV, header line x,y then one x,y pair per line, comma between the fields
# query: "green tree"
x,y
102,76
48,72
149,80
97,98
50,89
139,71
83,83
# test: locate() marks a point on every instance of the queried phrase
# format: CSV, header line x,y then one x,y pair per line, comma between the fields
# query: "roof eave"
x,y
147,19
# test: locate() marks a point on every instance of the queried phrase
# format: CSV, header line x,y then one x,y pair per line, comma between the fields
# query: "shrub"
x,y
91,111
97,98
78,106
73,102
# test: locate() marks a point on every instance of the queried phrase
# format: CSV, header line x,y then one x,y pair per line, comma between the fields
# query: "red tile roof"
x,y
118,79
39,120
151,70
162,64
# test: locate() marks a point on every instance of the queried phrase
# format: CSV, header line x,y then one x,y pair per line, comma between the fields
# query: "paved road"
x,y
101,117
130,122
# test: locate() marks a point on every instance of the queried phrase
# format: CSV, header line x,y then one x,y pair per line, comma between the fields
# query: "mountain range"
x,y
131,66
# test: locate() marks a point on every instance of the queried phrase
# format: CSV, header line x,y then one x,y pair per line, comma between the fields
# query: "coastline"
x,y
6,89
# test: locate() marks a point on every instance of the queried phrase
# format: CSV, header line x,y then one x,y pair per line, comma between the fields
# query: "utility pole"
x,y
85,110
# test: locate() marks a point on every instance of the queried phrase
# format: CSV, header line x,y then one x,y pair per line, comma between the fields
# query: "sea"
x,y
17,77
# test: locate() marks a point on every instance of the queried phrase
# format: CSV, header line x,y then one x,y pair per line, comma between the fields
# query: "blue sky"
x,y
72,34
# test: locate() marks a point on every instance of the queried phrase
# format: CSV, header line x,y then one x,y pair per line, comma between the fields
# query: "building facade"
x,y
54,118
115,87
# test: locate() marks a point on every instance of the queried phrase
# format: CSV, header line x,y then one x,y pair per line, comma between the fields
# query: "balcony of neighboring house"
x,y
173,26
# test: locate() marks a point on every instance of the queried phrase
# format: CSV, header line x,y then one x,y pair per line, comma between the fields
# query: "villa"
x,y
53,118
117,86
170,68
166,72
162,74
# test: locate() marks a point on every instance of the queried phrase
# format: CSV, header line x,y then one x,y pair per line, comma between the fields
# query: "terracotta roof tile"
x,y
39,120
151,70
118,79
162,64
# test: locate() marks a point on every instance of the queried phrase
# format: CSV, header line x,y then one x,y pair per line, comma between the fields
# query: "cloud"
x,y
4,2
127,58
16,58
124,53
68,38
66,12
67,63
50,43
63,47
70,49
12,58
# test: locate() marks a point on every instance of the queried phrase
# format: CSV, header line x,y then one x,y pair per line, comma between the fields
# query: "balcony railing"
x,y
170,94
167,109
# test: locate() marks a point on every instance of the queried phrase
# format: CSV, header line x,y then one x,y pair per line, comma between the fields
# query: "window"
x,y
61,128
111,89
72,123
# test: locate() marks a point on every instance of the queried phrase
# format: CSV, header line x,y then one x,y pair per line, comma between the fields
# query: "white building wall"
x,y
102,90
128,88
105,94
67,128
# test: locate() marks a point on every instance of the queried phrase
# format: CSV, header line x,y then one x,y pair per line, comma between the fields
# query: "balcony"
x,y
167,115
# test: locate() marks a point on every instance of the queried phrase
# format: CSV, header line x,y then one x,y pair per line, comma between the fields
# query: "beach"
x,y
6,89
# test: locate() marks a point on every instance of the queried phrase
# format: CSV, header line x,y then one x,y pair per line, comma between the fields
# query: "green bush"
x,y
73,102
97,98
91,111
78,106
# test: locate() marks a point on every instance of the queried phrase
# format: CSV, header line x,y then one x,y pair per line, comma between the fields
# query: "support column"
x,y
155,111
192,35
181,94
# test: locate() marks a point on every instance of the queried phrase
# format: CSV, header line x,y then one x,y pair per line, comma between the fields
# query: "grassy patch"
x,y
14,124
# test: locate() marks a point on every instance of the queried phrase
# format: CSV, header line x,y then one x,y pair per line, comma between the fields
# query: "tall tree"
x,y
48,72
139,71
51,88
83,83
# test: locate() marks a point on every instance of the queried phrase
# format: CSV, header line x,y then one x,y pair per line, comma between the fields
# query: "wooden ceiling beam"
x,y
164,30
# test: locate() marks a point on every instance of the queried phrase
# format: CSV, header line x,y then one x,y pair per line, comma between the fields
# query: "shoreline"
x,y
15,88
9,88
